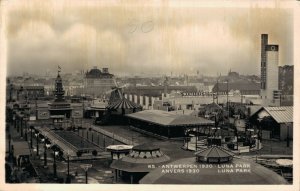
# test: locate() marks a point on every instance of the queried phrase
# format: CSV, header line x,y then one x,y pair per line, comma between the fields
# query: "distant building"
x,y
269,93
243,88
233,74
24,92
156,91
286,82
97,82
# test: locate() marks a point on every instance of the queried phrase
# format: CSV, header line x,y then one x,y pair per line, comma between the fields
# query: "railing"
x,y
113,136
53,136
149,133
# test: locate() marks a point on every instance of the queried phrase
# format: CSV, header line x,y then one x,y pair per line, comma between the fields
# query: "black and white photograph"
x,y
166,92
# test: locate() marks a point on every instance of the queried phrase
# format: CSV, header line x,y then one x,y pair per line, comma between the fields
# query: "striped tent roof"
x,y
123,104
214,152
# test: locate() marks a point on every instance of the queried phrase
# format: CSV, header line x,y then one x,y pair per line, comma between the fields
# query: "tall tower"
x,y
269,73
59,90
59,108
263,69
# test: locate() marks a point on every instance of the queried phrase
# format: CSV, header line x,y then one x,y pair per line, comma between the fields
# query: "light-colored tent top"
x,y
165,118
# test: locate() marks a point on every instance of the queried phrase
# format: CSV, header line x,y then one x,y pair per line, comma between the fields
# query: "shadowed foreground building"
x,y
140,161
214,165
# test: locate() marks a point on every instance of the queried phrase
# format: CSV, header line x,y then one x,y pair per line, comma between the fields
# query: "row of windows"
x,y
147,154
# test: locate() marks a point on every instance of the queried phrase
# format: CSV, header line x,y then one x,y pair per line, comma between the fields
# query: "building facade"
x,y
97,82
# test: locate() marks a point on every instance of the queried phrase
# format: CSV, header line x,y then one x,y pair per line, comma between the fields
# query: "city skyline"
x,y
148,39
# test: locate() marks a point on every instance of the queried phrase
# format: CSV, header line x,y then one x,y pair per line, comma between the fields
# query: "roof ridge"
x,y
217,150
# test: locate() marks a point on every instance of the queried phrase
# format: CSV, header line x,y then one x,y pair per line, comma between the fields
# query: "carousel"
x,y
116,109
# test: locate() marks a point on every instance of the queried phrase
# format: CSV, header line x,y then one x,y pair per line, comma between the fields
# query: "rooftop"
x,y
244,86
165,118
279,114
234,172
96,73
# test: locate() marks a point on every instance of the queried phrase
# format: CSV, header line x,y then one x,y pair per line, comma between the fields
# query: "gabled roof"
x,y
165,118
279,114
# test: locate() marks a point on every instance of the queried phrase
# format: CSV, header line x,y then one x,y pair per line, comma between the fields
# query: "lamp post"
x,y
37,142
288,135
55,152
54,163
68,179
21,121
86,168
250,130
46,146
68,160
104,141
14,119
26,128
259,132
17,123
31,131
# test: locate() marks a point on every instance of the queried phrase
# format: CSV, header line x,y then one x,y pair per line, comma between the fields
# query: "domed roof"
x,y
140,157
95,72
189,171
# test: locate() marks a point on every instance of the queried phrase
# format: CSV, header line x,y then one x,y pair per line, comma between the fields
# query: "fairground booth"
x,y
274,122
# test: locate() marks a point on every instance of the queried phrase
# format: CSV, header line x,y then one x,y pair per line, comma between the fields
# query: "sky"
x,y
131,37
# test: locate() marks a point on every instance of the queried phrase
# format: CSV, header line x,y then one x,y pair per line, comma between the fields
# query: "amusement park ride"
x,y
226,135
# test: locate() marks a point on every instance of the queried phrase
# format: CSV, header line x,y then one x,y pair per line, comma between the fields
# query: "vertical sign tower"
x,y
269,73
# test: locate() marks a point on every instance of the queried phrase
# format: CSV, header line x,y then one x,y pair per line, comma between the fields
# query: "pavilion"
x,y
140,161
167,124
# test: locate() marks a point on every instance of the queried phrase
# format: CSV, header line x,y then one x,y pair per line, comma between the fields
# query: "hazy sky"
x,y
134,37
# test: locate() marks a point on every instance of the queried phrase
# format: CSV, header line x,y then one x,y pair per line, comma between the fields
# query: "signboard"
x,y
196,94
